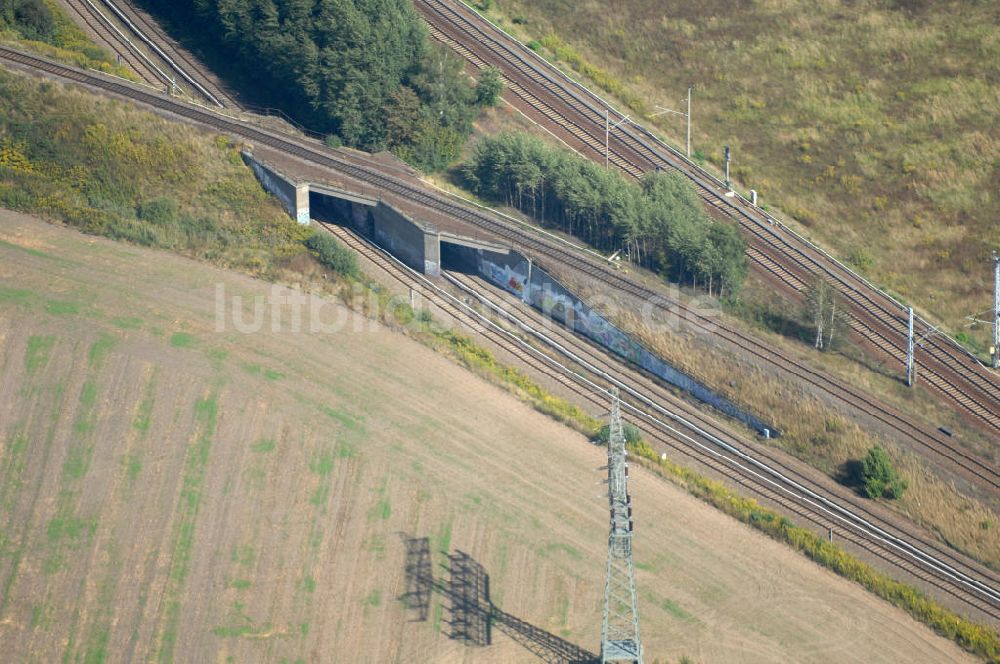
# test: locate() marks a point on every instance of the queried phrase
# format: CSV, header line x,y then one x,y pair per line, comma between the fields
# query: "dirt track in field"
x,y
170,492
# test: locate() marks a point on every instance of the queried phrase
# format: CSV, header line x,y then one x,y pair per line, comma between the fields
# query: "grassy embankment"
x,y
826,438
263,244
874,126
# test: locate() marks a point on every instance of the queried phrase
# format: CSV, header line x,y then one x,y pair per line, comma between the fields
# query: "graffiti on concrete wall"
x,y
542,291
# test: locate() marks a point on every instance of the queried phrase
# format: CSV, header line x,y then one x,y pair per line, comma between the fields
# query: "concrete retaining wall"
x,y
294,196
405,239
515,274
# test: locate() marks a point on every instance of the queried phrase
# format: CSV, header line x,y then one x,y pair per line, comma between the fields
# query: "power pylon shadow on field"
x,y
471,613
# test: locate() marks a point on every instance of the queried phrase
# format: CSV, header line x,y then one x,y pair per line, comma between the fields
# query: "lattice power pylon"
x,y
620,634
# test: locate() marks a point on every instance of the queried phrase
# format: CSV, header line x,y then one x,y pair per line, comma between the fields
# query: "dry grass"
x,y
821,435
875,125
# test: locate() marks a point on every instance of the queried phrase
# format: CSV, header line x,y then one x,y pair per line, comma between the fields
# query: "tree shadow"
x,y
472,615
849,474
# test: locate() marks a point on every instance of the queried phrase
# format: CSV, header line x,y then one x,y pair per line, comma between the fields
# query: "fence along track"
x,y
980,394
354,167
777,488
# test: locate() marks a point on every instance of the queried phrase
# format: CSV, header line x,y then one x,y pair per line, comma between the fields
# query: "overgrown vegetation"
x,y
362,71
974,637
819,434
334,255
112,170
874,124
878,477
631,431
38,25
659,224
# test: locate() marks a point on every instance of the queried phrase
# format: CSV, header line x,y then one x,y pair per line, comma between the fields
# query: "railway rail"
x,y
585,373
569,109
91,16
355,167
383,179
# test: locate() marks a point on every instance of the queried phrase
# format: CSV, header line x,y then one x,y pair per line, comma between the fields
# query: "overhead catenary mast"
x,y
620,633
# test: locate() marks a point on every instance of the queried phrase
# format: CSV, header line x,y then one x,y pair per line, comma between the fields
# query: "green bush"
x,y
489,87
632,434
879,478
160,211
332,254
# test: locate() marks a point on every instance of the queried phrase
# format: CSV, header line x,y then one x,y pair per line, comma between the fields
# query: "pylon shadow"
x,y
472,615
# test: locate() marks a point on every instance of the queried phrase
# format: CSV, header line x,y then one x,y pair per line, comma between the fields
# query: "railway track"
x,y
568,108
91,16
586,374
355,167
175,57
380,178
128,31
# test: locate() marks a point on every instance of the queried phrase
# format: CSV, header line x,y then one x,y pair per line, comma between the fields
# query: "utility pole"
x,y
686,115
607,135
689,124
995,350
620,633
911,366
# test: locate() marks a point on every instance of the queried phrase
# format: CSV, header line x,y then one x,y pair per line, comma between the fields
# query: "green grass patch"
x,y
69,529
322,465
14,296
243,555
674,609
374,598
442,541
348,420
240,584
195,462
36,355
273,374
99,350
182,340
127,322
61,307
309,584
263,446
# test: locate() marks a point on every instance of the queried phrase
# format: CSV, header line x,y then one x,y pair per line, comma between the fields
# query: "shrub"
x,y
489,87
879,478
333,141
160,211
632,434
333,255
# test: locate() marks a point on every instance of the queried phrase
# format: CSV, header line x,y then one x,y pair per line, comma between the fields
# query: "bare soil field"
x,y
173,492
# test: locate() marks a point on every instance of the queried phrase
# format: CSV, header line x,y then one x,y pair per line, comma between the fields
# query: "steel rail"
x,y
312,151
777,481
166,58
581,105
